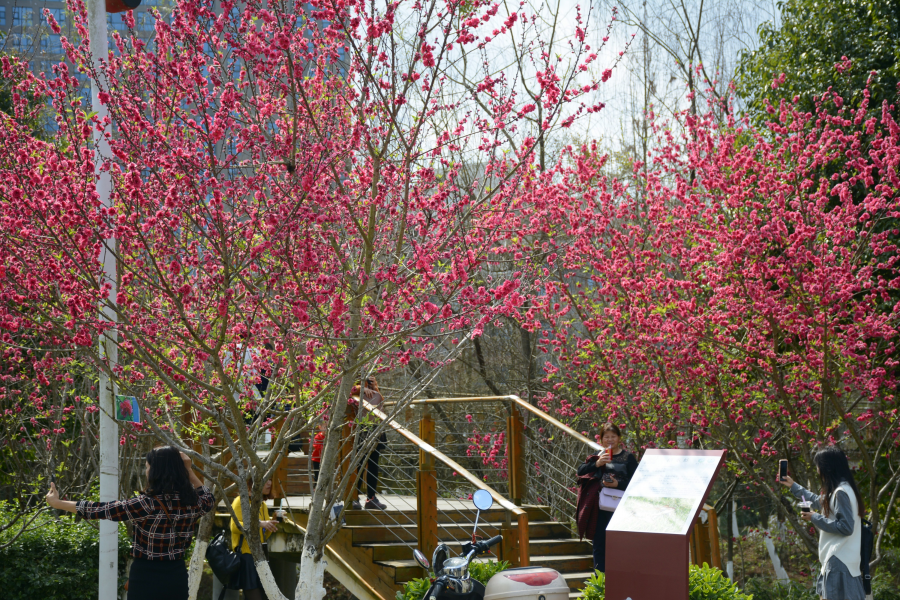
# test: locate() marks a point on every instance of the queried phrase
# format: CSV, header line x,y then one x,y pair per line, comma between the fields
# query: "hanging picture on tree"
x,y
127,409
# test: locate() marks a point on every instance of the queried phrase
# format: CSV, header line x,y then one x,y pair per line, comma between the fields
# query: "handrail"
x,y
533,409
429,449
520,514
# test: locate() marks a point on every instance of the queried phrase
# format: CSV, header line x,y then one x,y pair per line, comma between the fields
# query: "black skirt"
x,y
157,580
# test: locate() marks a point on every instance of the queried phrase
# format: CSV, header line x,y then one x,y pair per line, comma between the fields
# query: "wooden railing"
x,y
515,541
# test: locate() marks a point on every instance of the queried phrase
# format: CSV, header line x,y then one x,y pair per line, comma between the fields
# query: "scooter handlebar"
x,y
493,541
436,590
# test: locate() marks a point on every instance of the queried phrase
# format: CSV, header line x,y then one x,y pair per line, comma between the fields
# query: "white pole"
x,y
109,442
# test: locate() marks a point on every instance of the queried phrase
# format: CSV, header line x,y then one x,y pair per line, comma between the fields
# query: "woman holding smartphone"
x,y
839,525
613,468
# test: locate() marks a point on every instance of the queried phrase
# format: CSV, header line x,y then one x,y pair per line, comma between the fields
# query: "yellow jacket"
x,y
236,533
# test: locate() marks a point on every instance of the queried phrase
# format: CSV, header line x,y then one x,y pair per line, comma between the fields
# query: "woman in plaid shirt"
x,y
163,517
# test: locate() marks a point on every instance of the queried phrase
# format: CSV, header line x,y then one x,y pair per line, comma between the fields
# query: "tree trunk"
x,y
195,570
312,574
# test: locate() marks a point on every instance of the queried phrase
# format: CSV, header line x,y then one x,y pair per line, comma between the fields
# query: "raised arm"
x,y
54,501
195,481
804,494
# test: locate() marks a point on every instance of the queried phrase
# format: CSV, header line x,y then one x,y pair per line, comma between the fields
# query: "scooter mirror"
x,y
483,499
437,559
420,558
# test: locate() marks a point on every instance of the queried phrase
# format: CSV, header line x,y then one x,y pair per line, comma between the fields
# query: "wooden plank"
x,y
426,515
515,430
524,558
426,492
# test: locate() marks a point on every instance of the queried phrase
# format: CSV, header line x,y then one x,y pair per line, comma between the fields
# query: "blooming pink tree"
x,y
287,203
739,292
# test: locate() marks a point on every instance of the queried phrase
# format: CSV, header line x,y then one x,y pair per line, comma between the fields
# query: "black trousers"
x,y
157,580
371,480
603,519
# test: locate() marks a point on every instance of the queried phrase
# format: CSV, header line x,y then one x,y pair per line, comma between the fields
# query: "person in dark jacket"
x,y
613,468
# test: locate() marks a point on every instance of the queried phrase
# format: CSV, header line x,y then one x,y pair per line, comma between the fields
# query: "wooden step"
x,y
565,563
576,580
363,534
378,517
404,570
383,551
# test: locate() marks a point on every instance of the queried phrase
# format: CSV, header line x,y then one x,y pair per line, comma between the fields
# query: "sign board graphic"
x,y
648,537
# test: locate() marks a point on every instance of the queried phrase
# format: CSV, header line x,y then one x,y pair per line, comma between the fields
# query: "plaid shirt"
x,y
156,536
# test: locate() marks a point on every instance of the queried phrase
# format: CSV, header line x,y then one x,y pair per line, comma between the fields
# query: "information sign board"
x,y
665,493
648,537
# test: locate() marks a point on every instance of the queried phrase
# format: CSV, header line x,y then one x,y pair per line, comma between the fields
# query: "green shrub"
x,y
55,559
595,587
415,588
484,571
710,583
884,587
704,583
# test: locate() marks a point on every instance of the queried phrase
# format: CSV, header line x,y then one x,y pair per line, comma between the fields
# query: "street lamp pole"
x,y
109,434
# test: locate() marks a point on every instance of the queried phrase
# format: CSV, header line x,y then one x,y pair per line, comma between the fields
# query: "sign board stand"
x,y
648,538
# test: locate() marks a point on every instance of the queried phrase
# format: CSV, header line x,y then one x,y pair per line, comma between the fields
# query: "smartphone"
x,y
782,469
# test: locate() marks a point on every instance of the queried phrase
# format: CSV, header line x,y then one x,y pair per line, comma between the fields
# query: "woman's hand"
x,y
806,516
271,526
611,484
54,501
189,465
786,481
603,460
52,496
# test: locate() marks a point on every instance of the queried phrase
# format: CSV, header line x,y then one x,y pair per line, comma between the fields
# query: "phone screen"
x,y
782,469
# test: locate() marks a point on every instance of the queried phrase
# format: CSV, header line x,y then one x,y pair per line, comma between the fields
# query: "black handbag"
x,y
223,561
867,545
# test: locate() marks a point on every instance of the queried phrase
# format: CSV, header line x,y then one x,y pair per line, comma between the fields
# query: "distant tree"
x,y
13,80
813,37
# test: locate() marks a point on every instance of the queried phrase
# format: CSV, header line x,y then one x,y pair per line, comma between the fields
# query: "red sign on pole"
x,y
647,540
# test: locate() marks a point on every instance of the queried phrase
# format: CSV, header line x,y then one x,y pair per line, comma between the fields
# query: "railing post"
x,y
715,552
704,542
524,553
515,433
347,465
280,477
426,490
509,547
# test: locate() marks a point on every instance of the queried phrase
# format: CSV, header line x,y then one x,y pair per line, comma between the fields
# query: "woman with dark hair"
x,y
613,468
839,525
163,516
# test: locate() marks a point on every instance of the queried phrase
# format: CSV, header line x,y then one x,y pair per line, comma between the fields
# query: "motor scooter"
x,y
450,575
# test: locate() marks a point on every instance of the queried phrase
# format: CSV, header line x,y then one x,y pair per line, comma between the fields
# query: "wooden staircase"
x,y
378,545
385,537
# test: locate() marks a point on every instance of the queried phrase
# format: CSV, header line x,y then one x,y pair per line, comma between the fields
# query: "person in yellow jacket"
x,y
248,579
